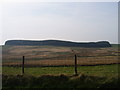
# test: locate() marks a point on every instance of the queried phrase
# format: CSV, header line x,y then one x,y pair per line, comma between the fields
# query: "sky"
x,y
71,21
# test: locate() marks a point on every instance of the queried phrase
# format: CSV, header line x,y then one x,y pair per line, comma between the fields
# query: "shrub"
x,y
60,81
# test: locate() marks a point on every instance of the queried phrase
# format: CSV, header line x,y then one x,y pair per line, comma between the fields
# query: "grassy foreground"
x,y
59,81
101,70
103,76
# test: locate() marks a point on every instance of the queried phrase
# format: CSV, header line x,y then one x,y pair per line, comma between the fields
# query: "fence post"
x,y
23,65
76,64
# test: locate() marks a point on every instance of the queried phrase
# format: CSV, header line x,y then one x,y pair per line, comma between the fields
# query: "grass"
x,y
102,70
105,76
59,81
51,55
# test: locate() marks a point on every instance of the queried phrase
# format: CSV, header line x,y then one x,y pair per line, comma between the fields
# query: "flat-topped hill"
x,y
58,43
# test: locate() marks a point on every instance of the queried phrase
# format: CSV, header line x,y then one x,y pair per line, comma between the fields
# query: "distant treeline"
x,y
58,43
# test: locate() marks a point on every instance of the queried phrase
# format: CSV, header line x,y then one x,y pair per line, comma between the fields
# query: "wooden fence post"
x,y
76,64
23,65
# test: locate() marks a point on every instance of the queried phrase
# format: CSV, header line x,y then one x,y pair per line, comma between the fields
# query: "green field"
x,y
104,76
102,70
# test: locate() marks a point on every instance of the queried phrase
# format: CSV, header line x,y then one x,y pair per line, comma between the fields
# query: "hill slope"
x,y
57,43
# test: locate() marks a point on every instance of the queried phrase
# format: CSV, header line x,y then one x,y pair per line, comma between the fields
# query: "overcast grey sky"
x,y
73,21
